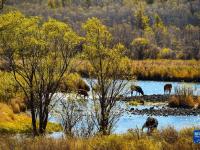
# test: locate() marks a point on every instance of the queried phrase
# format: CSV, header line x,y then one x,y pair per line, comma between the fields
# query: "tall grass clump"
x,y
183,98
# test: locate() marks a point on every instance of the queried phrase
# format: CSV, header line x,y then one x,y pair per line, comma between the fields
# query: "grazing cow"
x,y
167,88
83,89
138,89
151,124
83,93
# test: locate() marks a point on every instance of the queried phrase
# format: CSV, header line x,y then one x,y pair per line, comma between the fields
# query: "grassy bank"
x,y
18,123
166,139
167,70
159,70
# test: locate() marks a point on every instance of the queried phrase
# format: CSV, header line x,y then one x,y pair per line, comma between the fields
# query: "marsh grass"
x,y
165,139
160,69
184,98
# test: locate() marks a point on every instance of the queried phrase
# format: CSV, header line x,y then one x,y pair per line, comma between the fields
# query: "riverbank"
x,y
148,98
165,111
11,123
154,70
163,139
158,105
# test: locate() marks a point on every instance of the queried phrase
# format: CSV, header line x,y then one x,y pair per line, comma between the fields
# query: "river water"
x,y
128,120
157,87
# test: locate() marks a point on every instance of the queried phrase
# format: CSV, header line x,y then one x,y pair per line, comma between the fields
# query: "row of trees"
x,y
39,54
171,24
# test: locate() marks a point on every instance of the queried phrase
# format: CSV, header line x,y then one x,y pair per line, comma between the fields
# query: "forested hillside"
x,y
168,29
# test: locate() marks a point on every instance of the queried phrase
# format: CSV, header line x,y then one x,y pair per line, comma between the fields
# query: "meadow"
x,y
157,70
165,139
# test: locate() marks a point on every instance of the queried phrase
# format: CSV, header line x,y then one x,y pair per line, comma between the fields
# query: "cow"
x,y
138,89
167,88
151,124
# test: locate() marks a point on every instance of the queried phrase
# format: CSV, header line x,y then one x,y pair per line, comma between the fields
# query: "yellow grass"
x,y
161,69
18,123
165,139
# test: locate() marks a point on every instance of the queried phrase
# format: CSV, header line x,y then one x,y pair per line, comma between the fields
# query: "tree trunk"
x,y
35,133
104,122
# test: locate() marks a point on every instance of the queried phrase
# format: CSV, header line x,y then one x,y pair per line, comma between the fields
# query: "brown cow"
x,y
151,124
83,93
167,88
137,89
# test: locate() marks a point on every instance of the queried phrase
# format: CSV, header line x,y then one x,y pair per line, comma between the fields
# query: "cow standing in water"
x,y
137,89
151,124
83,90
167,88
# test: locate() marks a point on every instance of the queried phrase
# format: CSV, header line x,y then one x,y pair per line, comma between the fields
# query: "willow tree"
x,y
109,66
39,55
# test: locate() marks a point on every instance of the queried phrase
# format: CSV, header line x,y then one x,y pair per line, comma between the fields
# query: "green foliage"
x,y
157,20
72,82
8,87
142,19
165,53
39,54
106,62
140,47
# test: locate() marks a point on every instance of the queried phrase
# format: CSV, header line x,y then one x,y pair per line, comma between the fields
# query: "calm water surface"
x,y
128,121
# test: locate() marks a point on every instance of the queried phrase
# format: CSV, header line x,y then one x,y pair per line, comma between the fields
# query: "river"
x,y
128,120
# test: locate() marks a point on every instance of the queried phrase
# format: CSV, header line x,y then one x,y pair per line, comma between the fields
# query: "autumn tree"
x,y
109,66
39,55
142,48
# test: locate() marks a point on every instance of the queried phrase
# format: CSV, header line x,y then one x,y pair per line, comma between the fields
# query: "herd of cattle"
x,y
134,88
138,89
151,123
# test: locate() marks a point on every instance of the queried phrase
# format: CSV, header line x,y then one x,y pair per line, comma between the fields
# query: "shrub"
x,y
169,134
173,101
165,53
183,98
7,87
73,82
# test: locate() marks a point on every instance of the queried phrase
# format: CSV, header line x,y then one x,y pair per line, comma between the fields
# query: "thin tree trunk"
x,y
35,133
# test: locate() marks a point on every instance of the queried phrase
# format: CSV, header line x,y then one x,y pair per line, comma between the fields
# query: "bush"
x,y
183,98
165,53
7,87
170,135
73,82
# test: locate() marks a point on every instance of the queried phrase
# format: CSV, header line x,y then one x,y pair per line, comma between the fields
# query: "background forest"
x,y
150,29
